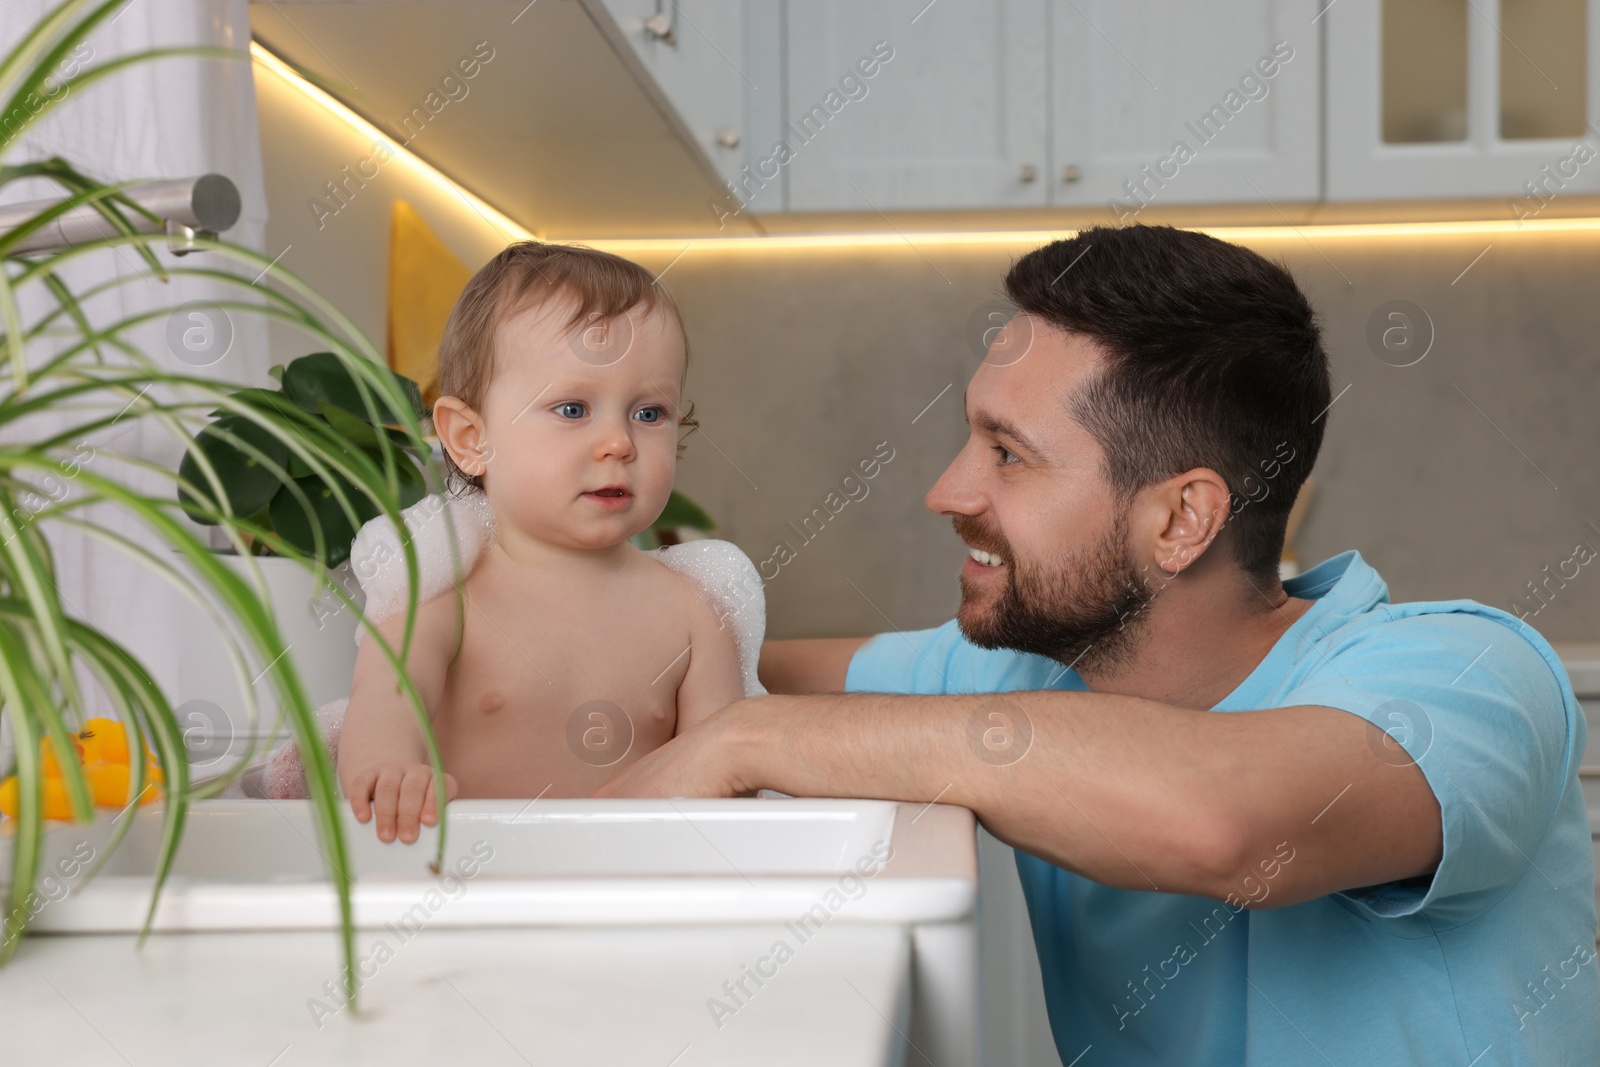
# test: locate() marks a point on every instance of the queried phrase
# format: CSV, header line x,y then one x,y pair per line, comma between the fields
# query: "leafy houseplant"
x,y
315,390
86,376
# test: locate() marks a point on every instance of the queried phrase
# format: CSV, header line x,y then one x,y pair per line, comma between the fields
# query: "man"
x,y
1255,822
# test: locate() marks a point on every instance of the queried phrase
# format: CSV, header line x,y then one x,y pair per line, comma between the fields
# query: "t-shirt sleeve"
x,y
1482,713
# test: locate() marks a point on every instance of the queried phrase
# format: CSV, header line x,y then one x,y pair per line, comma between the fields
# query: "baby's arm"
x,y
383,762
714,679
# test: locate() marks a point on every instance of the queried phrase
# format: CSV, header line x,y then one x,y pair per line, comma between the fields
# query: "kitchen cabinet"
x,y
904,105
1446,98
1160,103
912,105
690,56
1032,103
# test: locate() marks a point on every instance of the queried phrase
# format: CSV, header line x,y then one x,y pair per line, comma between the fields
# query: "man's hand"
x,y
700,763
402,794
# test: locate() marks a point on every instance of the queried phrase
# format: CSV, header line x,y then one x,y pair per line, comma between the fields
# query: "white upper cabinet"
x,y
866,106
898,105
1033,103
1462,98
1156,102
692,53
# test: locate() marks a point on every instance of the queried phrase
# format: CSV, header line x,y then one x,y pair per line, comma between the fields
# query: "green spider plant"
x,y
89,376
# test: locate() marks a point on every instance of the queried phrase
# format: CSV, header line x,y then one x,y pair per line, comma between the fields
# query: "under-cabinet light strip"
x,y
373,135
1032,238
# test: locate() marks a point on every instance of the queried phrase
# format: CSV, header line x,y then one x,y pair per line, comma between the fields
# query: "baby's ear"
x,y
463,435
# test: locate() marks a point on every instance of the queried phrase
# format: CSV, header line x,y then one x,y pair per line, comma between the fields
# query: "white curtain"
x,y
177,117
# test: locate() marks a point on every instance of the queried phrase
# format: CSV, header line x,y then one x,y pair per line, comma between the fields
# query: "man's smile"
x,y
979,562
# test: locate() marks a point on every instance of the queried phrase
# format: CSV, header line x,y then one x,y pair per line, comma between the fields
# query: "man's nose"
x,y
953,492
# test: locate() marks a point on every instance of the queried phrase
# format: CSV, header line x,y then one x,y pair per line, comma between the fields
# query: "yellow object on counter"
x,y
103,741
47,756
56,803
102,748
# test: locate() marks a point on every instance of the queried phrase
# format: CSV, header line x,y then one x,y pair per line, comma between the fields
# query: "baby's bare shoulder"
x,y
435,624
694,604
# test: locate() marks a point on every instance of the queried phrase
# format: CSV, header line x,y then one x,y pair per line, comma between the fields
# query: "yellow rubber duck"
x,y
103,741
56,803
102,748
47,755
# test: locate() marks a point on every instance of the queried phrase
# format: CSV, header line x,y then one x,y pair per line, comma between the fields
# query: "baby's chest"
x,y
554,661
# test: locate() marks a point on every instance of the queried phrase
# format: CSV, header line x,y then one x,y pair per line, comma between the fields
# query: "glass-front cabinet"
x,y
1462,98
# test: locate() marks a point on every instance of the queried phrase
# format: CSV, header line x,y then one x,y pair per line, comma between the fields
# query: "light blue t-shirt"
x,y
1491,960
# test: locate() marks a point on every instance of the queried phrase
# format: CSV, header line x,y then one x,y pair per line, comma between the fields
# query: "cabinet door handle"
x,y
1071,173
660,27
1028,173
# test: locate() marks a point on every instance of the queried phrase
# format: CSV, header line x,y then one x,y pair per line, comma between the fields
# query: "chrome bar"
x,y
207,204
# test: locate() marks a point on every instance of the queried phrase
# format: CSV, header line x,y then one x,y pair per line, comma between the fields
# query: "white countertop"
x,y
1582,660
559,996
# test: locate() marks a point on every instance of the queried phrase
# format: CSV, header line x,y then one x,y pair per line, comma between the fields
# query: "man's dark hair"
x,y
1213,358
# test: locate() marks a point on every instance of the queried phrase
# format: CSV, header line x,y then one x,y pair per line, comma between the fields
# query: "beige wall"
x,y
803,361
345,256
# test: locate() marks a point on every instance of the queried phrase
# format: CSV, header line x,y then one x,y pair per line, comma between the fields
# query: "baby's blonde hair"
x,y
528,274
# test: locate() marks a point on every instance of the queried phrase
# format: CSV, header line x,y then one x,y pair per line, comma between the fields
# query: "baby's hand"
x,y
401,794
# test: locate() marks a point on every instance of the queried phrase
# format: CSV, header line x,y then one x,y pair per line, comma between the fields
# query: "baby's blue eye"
x,y
562,408
656,414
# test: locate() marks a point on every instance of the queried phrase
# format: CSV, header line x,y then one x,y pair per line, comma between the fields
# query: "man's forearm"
x,y
1130,792
1097,784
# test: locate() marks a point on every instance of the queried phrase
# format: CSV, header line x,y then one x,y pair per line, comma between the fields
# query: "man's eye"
x,y
1004,452
655,414
570,410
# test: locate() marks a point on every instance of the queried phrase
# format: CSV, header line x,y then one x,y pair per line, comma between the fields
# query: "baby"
x,y
576,653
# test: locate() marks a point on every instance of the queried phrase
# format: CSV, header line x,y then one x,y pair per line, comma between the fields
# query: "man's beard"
x,y
1084,610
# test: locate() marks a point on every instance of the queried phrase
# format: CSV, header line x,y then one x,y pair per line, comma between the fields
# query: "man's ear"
x,y
463,434
1190,510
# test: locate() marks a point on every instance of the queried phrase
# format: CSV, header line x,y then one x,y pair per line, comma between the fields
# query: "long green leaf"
x,y
25,56
38,654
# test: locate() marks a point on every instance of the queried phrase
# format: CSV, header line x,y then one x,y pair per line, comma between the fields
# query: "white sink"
x,y
258,865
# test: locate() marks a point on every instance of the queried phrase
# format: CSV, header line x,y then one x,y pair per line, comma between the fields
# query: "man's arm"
x,y
812,665
1129,792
